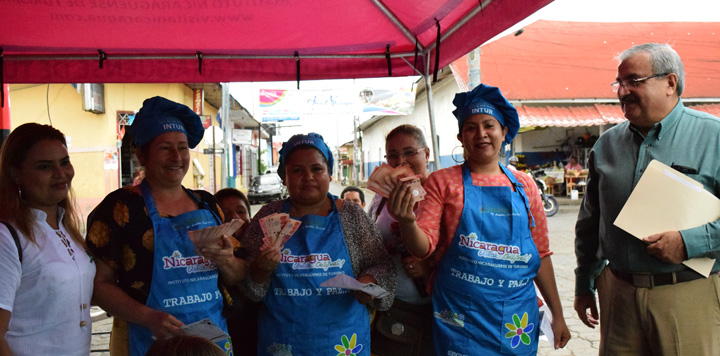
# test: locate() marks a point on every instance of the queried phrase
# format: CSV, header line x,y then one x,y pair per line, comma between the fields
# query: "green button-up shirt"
x,y
686,138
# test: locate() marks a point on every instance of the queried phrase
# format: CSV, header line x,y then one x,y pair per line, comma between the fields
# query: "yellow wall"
x,y
91,135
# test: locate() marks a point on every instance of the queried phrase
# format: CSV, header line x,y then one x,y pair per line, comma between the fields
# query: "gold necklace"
x,y
66,242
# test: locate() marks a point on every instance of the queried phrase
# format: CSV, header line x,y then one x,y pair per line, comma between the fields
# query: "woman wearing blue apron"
x,y
491,247
299,316
151,277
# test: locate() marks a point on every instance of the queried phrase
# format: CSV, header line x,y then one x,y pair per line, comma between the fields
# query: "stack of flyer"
x,y
278,228
382,180
212,235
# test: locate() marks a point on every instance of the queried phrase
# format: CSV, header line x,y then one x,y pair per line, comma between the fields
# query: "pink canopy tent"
x,y
196,41
211,41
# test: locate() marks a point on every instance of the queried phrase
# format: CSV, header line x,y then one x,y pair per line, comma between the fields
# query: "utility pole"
x,y
355,175
227,130
431,114
474,78
259,150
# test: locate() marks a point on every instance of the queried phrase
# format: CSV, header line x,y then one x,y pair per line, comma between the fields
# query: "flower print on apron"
x,y
299,316
484,300
184,284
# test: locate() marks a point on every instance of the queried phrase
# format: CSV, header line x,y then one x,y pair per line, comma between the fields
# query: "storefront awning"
x,y
585,115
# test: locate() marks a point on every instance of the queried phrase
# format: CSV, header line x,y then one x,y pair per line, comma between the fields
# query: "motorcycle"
x,y
550,204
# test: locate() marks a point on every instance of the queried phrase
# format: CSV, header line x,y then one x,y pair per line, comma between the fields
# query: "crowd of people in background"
x,y
461,269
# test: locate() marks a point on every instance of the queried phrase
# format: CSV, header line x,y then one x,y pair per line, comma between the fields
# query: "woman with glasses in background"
x,y
405,329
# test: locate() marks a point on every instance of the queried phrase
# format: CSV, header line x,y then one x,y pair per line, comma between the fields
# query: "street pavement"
x,y
561,227
101,326
584,341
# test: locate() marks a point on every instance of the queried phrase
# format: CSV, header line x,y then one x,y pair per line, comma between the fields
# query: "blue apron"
x,y
299,316
184,284
484,301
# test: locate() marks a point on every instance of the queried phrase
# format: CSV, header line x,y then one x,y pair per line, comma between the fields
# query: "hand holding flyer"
x,y
278,228
206,329
415,187
212,235
377,182
342,280
382,180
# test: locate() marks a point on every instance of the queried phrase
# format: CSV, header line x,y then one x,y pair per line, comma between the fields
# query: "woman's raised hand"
x,y
232,269
265,263
221,253
400,203
269,257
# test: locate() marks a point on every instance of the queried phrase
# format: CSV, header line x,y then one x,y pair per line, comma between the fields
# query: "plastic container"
x,y
574,194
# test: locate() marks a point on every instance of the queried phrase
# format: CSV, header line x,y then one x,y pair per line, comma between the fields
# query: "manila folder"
x,y
667,200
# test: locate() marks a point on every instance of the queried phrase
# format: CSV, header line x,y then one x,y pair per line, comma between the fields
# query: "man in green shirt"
x,y
650,303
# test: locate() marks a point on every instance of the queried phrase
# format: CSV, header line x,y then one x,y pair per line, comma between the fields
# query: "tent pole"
x,y
469,16
409,35
227,130
433,132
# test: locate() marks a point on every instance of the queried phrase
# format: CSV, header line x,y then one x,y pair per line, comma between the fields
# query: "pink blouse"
x,y
439,214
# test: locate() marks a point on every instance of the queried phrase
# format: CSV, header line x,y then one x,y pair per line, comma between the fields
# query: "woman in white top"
x,y
405,329
47,280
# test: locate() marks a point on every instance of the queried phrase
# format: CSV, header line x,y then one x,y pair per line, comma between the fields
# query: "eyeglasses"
x,y
632,83
406,153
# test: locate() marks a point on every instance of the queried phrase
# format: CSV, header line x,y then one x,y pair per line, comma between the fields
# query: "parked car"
x,y
266,187
271,170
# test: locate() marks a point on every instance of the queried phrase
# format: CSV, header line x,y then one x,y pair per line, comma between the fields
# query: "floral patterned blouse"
x,y
120,233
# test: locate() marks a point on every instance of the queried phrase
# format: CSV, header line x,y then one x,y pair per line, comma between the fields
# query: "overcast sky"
x,y
558,10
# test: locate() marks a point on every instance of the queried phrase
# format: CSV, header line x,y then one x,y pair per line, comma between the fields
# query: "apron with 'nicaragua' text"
x,y
184,284
484,301
299,316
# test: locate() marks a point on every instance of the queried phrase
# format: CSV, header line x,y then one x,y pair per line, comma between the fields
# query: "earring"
x,y
505,150
455,155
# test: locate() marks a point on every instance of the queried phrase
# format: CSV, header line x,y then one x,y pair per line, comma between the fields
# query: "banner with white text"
x,y
385,96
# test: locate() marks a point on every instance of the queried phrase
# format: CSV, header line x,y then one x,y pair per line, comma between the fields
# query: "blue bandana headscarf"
x,y
297,141
485,99
159,115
